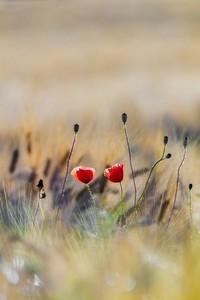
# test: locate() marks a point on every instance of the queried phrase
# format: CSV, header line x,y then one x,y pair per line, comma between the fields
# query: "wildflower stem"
x,y
94,206
142,196
177,184
135,209
121,198
66,175
130,162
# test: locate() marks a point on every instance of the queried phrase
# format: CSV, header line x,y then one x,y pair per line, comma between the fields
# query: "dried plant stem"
x,y
177,185
142,196
135,209
130,162
66,175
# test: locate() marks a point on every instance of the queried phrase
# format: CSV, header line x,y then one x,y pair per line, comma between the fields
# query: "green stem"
x,y
141,198
121,198
94,207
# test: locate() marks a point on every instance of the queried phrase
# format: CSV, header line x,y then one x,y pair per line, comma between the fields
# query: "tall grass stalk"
x,y
178,179
76,129
124,120
136,208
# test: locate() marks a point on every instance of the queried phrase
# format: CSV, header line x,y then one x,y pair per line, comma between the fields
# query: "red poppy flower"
x,y
83,174
114,173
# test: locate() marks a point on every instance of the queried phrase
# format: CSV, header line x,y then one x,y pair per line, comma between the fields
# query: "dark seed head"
x,y
190,186
40,184
124,118
165,140
185,142
76,128
168,156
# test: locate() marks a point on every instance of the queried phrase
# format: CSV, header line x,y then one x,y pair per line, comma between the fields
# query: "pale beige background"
x,y
60,57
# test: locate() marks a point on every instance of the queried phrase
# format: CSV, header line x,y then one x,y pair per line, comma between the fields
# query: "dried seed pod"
x,y
40,184
190,186
76,128
168,156
185,142
165,140
124,118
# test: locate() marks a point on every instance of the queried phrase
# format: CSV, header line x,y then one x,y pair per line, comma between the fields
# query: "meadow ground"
x,y
87,62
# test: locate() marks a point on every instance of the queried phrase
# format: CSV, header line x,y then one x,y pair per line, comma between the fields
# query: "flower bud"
x,y
165,140
40,184
185,142
76,128
124,118
190,186
168,156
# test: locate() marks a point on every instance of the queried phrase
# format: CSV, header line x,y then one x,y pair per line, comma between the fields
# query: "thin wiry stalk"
x,y
121,197
124,120
177,185
121,221
130,162
163,157
142,196
135,209
66,174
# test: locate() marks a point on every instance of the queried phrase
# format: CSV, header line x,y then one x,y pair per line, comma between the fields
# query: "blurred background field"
x,y
66,57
